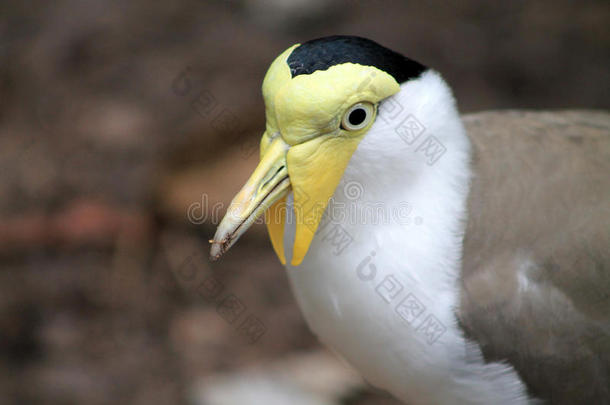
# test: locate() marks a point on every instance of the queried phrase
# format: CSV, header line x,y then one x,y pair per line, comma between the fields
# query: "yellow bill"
x,y
314,125
268,184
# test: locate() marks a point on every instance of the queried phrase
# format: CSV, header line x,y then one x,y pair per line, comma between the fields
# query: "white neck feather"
x,y
379,284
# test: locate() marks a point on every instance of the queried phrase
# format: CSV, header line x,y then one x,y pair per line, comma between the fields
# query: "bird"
x,y
448,260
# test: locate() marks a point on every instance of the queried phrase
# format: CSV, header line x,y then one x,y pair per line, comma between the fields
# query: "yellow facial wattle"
x,y
306,112
305,149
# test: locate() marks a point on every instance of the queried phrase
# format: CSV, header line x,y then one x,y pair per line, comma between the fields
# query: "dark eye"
x,y
357,116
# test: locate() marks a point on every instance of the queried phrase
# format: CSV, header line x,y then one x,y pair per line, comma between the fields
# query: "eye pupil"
x,y
357,116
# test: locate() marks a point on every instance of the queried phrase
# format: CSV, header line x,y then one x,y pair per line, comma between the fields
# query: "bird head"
x,y
321,99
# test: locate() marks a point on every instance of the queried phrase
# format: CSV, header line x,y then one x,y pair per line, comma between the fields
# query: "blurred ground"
x,y
119,121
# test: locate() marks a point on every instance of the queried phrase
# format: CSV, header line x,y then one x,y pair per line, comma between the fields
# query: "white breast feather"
x,y
380,288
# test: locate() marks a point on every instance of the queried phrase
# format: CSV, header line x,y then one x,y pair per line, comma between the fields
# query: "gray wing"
x,y
536,268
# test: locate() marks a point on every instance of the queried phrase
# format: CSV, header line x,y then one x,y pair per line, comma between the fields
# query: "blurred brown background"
x,y
123,125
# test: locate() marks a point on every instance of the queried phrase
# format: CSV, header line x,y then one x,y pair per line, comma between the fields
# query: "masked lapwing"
x,y
447,267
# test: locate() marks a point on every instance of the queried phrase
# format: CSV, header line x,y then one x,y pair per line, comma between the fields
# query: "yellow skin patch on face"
x,y
306,112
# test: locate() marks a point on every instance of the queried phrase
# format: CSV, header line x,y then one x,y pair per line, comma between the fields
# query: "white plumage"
x,y
346,308
448,268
